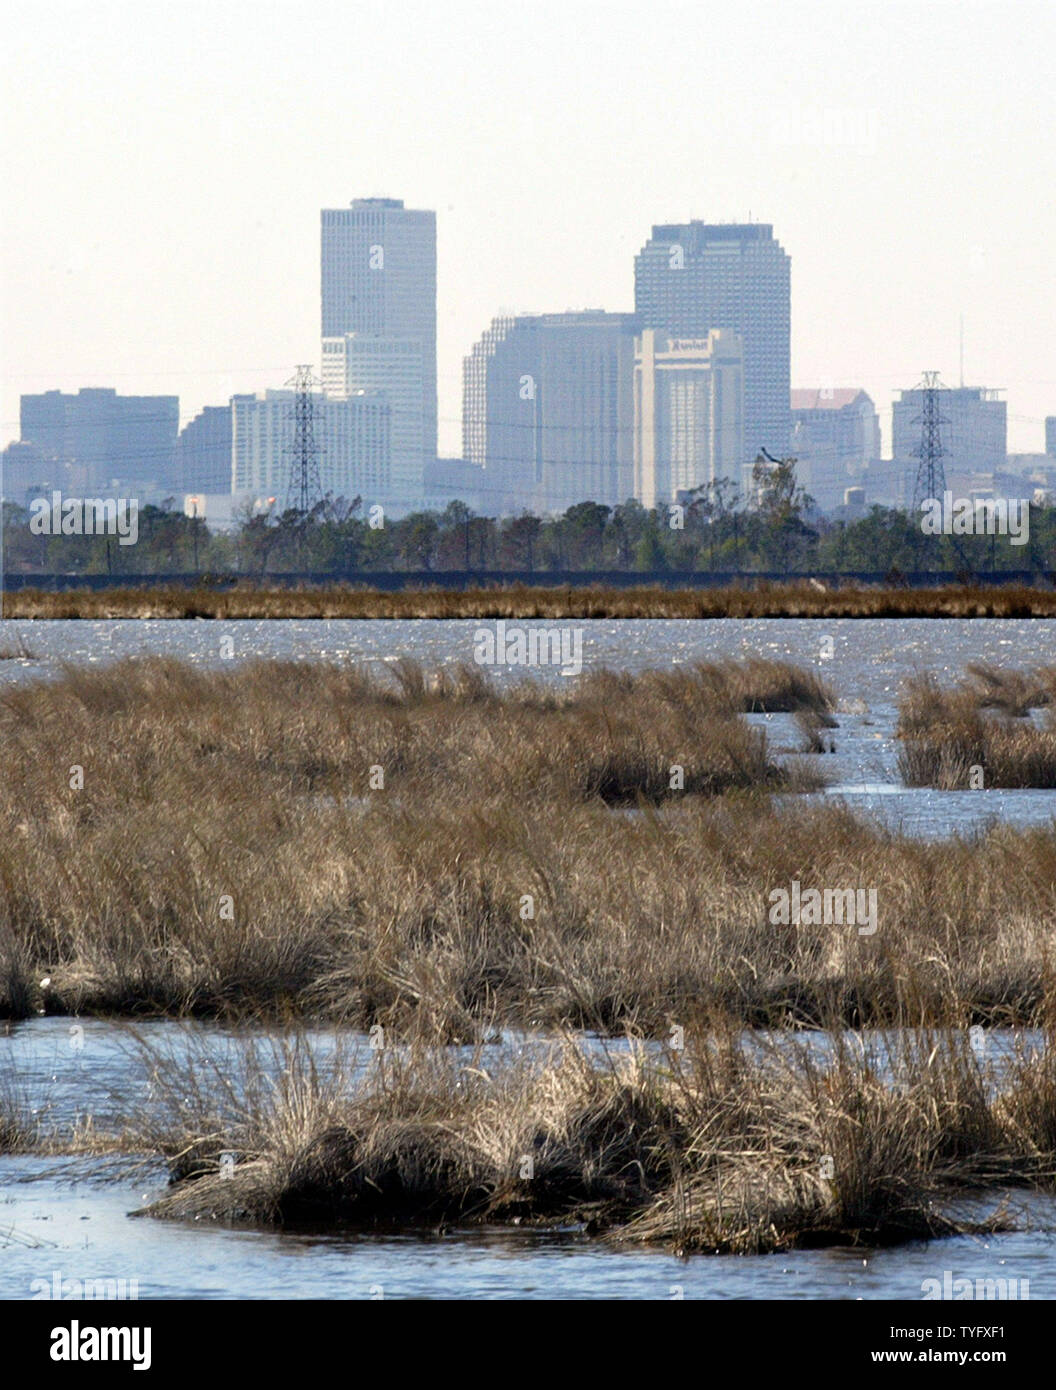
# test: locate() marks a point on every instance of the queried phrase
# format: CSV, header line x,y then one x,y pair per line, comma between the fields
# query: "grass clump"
x,y
731,1144
17,1130
976,733
1013,692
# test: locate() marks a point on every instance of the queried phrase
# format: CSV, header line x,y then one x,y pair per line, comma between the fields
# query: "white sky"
x,y
162,169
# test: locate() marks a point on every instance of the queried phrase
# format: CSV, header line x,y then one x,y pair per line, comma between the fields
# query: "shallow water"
x,y
68,1220
77,1227
870,656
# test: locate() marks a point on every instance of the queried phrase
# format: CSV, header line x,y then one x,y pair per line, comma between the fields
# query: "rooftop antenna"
x,y
962,351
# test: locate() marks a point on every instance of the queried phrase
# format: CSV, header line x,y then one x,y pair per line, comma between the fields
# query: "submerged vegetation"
x,y
15,1131
19,652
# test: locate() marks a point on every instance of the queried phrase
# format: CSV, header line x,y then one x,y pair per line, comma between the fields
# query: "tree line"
x,y
710,530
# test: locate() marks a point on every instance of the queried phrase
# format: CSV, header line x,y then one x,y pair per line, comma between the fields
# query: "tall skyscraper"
x,y
548,410
1050,435
122,441
835,436
693,277
688,413
379,316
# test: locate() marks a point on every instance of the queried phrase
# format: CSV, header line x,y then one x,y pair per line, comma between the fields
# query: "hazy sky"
x,y
163,168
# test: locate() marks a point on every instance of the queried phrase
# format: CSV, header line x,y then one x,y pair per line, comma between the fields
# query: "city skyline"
x,y
691,389
388,312
456,426
906,196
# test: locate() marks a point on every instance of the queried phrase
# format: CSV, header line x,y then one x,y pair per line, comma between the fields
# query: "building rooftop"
x,y
715,231
826,398
576,318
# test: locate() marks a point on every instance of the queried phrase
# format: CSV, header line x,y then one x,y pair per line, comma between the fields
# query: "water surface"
x,y
68,1220
870,660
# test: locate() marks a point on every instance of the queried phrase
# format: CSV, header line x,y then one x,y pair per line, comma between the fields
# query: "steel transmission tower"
x,y
931,480
305,487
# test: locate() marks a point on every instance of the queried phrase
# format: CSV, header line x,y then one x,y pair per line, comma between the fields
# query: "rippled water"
x,y
870,656
78,1228
69,1220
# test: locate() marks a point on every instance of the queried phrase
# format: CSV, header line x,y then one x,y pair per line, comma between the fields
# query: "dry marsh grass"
x,y
231,831
727,1145
748,599
18,652
526,863
16,1132
978,729
1012,692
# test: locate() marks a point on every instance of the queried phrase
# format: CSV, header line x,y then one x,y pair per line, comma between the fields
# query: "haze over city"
x,y
169,165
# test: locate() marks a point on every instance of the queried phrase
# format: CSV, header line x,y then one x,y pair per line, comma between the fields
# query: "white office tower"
x,y
379,323
352,435
392,367
688,413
